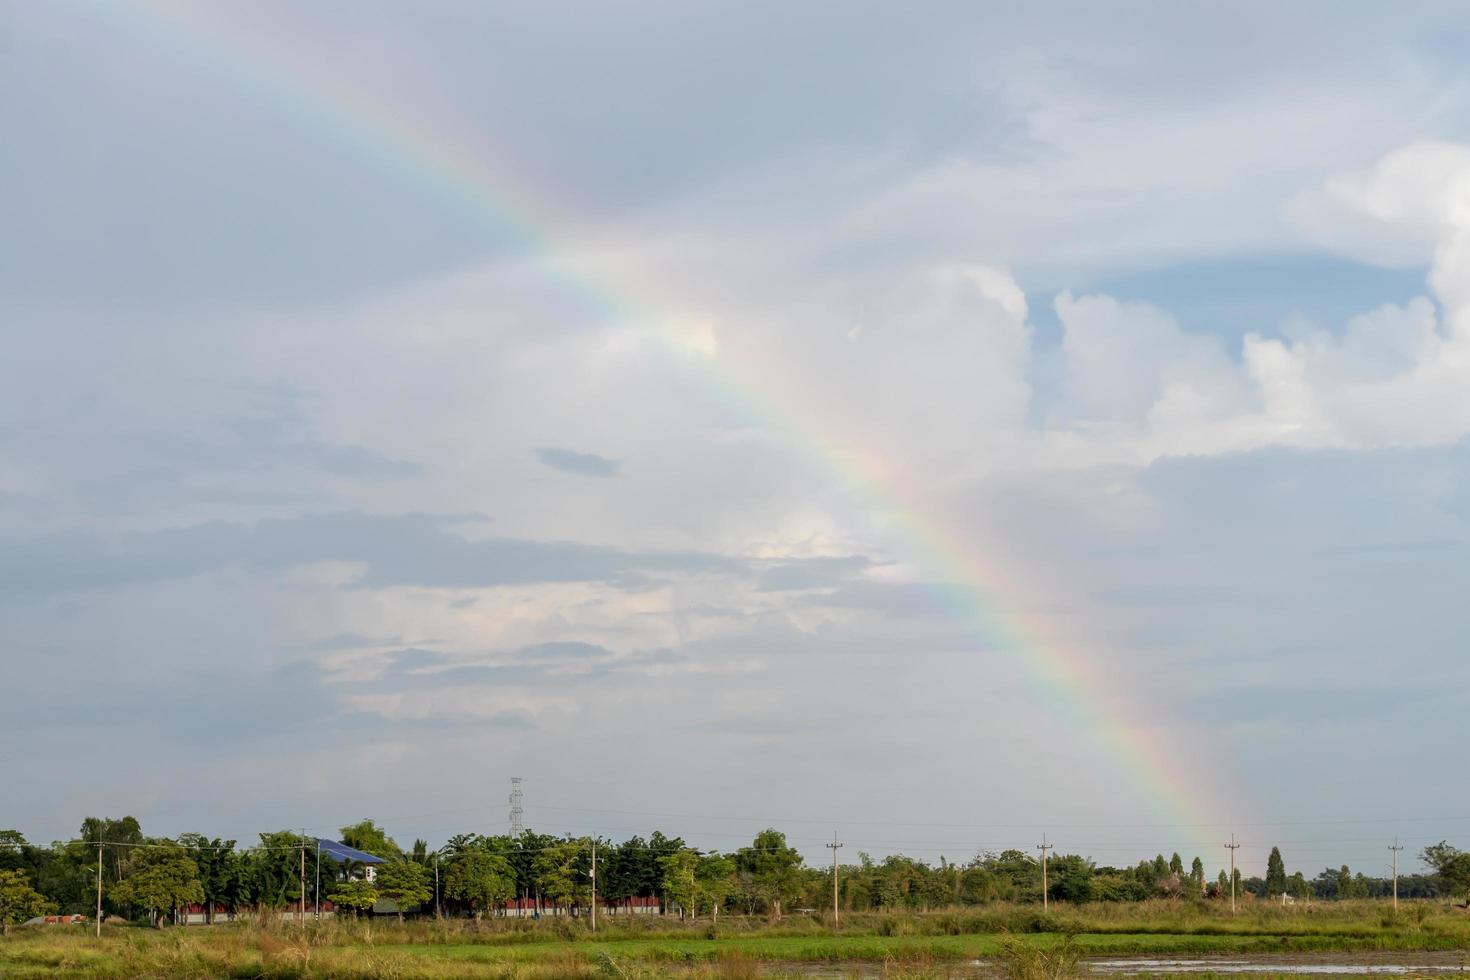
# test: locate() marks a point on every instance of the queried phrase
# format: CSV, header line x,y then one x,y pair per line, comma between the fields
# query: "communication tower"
x,y
516,810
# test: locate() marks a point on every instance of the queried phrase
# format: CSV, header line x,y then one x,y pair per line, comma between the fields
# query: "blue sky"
x,y
318,501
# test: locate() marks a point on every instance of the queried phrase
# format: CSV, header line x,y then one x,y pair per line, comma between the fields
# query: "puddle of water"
x,y
1138,967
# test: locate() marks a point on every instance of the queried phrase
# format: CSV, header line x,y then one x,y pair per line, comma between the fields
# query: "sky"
x,y
935,424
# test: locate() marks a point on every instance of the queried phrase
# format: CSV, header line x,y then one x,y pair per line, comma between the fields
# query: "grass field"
x,y
1010,940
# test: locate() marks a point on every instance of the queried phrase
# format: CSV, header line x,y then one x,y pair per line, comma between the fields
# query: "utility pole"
x,y
316,900
1044,847
438,910
834,845
1396,848
594,883
301,880
1233,848
99,891
516,810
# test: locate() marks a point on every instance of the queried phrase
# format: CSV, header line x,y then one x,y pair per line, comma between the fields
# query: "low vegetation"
x,y
1017,941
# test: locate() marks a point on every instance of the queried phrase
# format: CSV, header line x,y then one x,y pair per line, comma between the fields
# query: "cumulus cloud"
x,y
883,413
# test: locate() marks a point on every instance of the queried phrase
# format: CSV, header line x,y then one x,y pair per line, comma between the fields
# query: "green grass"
x,y
915,945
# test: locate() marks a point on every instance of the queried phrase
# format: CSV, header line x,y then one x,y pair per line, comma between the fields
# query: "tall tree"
x,y
681,882
480,879
1197,875
221,871
716,877
1176,865
770,869
18,900
560,874
1451,867
160,880
1275,873
274,871
368,836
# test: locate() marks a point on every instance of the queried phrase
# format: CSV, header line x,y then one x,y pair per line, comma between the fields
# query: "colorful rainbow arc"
x,y
446,156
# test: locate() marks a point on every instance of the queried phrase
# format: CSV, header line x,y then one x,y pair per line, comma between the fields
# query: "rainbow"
x,y
420,134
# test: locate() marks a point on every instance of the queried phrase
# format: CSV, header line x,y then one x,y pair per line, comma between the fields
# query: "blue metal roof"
x,y
338,851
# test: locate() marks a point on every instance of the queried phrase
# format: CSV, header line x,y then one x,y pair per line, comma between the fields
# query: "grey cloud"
x,y
348,641
414,658
400,550
563,650
582,464
888,598
811,573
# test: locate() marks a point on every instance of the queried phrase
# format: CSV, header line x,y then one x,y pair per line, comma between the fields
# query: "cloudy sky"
x,y
934,424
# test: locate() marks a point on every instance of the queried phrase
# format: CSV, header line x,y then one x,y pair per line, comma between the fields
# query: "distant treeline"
x,y
474,874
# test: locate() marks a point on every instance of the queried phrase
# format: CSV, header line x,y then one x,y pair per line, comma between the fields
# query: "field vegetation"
x,y
1008,939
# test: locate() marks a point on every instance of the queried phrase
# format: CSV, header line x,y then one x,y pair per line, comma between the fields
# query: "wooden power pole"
x,y
834,846
1396,848
1044,847
1233,848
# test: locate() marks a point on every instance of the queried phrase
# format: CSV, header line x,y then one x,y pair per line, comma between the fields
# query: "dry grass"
x,y
1027,944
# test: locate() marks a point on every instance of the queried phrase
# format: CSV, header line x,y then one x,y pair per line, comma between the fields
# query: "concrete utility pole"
x,y
99,891
1044,847
316,899
594,884
1396,848
834,845
438,911
1233,848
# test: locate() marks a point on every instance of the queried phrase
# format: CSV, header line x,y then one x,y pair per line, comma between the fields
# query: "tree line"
x,y
153,878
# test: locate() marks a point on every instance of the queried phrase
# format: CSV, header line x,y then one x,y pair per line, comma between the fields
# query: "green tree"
x,y
1197,875
1451,867
1176,865
355,894
558,872
769,869
1071,878
1017,873
1275,873
18,900
480,879
273,874
977,884
368,836
1350,886
681,882
717,881
404,883
222,872
105,830
160,880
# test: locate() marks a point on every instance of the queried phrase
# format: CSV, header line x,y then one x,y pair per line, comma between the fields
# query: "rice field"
x,y
995,941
